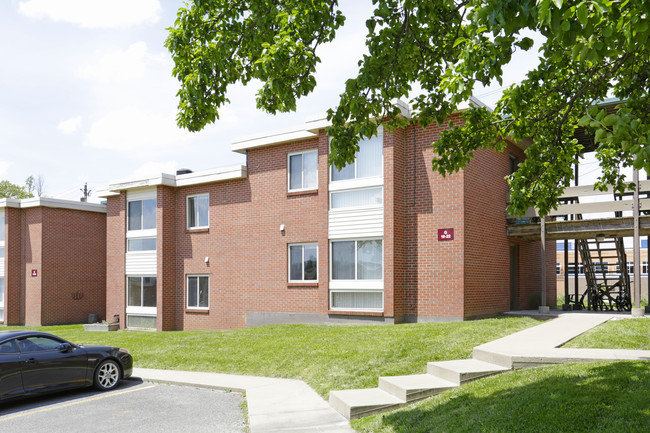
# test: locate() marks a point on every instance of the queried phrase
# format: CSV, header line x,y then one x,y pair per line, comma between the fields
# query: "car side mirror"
x,y
65,347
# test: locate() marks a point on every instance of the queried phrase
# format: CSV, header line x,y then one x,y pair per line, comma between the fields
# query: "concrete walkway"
x,y
288,405
274,405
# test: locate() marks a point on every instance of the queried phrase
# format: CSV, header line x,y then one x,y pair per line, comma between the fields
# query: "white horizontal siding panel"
x,y
142,193
2,267
141,263
356,223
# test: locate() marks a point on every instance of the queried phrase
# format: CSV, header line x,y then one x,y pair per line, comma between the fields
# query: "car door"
x,y
49,364
11,383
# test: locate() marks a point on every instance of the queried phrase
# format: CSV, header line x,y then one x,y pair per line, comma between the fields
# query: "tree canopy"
x,y
10,190
442,48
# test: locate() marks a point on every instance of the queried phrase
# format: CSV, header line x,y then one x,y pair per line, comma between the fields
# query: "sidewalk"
x,y
274,405
289,405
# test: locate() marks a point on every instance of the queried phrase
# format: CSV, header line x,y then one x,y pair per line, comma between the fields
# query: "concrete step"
x,y
414,387
357,403
463,370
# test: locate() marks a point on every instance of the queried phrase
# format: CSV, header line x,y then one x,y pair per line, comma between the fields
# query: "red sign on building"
x,y
34,273
445,234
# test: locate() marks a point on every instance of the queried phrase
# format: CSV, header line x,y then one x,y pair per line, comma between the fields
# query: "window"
x,y
198,207
644,267
38,344
558,268
572,269
303,262
303,170
198,291
141,292
357,198
8,347
141,244
2,299
2,234
369,161
357,260
141,214
357,300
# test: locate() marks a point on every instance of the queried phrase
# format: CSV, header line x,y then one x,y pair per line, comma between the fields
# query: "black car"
x,y
33,362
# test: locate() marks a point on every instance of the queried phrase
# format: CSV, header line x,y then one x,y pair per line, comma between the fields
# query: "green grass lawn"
x,y
605,397
326,357
616,334
590,397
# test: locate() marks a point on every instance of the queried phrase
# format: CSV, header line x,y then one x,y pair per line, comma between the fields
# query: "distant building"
x,y
52,261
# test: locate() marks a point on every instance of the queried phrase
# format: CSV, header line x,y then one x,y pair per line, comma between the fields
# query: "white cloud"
x,y
4,166
70,125
94,13
133,130
120,65
152,168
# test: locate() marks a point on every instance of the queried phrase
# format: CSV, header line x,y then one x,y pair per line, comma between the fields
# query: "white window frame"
x,y
374,310
187,291
357,180
140,310
2,300
356,283
301,244
141,232
303,153
131,238
187,213
343,190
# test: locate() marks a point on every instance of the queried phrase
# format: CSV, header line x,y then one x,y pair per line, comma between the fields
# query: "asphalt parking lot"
x,y
135,406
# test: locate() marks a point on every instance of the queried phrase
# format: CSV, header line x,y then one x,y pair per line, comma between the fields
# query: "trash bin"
x,y
93,318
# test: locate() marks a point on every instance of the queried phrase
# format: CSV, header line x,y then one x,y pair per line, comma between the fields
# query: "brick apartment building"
x,y
52,261
286,239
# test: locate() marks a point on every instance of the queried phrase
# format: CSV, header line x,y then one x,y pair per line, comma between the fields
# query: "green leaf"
x,y
582,14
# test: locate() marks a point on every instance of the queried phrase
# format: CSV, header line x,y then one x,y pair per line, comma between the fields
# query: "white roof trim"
x,y
314,124
270,138
53,203
9,202
195,178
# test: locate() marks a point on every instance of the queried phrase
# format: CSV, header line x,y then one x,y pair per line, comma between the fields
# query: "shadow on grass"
x,y
598,397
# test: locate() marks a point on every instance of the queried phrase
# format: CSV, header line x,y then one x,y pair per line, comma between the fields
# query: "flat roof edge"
x,y
193,178
57,203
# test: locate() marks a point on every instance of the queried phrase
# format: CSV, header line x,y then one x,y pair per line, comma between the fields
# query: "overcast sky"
x,y
86,93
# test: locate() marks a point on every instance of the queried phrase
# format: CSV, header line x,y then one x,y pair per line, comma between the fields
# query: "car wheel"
x,y
107,375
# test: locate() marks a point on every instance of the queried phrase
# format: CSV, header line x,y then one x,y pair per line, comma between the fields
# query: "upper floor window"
x,y
368,163
303,262
303,170
141,214
198,207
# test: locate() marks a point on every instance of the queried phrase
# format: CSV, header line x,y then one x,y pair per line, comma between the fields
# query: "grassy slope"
x,y
593,397
326,357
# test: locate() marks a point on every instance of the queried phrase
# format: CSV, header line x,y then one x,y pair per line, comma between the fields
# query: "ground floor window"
x,y
2,299
303,262
357,300
198,291
357,260
141,304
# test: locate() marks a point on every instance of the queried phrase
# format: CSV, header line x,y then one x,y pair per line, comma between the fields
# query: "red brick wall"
x,y
73,271
487,254
394,231
434,271
248,254
115,264
14,274
167,295
32,254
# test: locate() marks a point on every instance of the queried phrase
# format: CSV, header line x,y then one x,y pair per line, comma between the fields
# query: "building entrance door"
x,y
514,276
